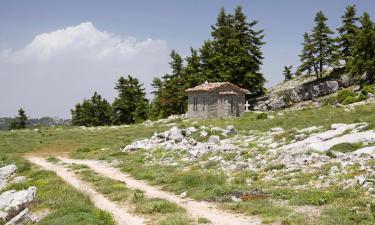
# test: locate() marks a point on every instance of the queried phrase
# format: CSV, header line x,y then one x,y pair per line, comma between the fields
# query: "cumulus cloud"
x,y
60,68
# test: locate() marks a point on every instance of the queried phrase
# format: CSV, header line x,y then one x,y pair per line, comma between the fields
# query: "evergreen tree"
x,y
287,72
131,104
192,71
20,121
363,58
234,54
347,32
308,61
324,45
95,111
172,94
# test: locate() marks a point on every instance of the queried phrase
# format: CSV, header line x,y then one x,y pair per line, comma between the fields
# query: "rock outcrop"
x,y
13,203
181,139
290,93
5,173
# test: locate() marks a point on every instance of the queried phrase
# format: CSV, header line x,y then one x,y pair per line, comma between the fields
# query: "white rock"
x,y
235,199
203,133
174,134
366,150
15,200
183,194
190,130
230,130
214,139
276,129
5,173
361,179
21,218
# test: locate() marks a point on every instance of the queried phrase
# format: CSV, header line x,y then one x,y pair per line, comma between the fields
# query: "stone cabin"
x,y
222,99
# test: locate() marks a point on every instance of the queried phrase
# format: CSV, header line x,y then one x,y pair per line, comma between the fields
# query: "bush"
x,y
368,90
344,94
349,100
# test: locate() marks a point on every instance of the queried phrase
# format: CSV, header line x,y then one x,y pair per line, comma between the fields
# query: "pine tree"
x,y
20,121
347,32
173,97
131,104
287,72
193,72
325,50
95,111
363,59
308,61
234,54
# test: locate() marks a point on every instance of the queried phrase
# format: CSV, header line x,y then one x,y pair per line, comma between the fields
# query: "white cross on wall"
x,y
247,105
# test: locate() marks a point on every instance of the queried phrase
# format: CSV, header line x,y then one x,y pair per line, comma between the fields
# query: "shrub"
x,y
368,90
344,94
349,100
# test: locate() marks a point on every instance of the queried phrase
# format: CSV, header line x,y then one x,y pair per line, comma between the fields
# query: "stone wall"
x,y
303,92
211,104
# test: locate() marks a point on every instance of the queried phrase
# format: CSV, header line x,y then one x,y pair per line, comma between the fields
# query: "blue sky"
x,y
166,24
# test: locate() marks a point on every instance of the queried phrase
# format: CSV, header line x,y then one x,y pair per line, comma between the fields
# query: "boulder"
x,y
22,218
214,139
174,134
277,129
230,130
366,150
13,202
5,173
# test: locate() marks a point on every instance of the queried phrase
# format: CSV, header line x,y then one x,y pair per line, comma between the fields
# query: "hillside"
x,y
310,166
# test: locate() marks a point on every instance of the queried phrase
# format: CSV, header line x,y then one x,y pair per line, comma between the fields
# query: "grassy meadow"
x,y
201,181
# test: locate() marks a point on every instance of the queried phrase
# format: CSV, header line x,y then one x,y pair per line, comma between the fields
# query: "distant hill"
x,y
33,122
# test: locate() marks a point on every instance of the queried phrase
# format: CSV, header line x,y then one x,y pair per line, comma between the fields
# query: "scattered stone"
x,y
361,180
214,139
203,134
183,194
277,129
230,130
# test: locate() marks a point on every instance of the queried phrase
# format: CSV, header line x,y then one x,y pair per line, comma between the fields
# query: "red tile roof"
x,y
211,86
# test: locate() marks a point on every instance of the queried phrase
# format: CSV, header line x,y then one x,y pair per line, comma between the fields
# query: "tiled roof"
x,y
211,86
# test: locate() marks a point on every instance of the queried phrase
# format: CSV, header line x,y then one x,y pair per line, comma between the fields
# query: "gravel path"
x,y
194,208
120,213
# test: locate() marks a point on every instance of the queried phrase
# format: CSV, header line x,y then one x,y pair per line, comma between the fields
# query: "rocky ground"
x,y
14,204
281,157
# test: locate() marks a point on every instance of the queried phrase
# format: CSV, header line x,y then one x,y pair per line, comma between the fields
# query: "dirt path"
x,y
120,213
194,208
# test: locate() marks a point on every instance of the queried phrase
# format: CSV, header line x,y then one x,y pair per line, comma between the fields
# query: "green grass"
x,y
269,211
117,191
67,205
205,181
346,147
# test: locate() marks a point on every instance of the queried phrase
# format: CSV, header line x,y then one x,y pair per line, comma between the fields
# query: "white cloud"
x,y
60,68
